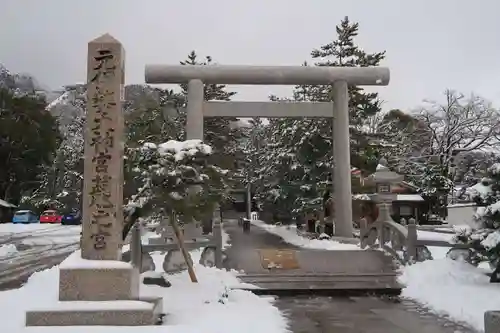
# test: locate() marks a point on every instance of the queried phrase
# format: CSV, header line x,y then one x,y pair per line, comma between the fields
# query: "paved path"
x,y
317,314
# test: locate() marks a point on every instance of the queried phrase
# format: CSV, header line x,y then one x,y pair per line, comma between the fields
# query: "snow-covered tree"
x,y
472,166
251,145
485,240
294,168
298,164
28,139
151,115
459,125
433,145
61,182
178,177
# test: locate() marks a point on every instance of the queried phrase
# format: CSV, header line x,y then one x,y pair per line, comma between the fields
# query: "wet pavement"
x,y
321,314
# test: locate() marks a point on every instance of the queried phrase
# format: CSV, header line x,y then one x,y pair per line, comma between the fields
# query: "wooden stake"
x,y
182,247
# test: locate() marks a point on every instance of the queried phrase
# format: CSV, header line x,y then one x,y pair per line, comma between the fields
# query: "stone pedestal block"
x,y
144,311
98,284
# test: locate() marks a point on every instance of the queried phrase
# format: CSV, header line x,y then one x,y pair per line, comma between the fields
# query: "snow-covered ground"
x,y
452,288
289,235
40,234
8,228
448,287
7,250
210,306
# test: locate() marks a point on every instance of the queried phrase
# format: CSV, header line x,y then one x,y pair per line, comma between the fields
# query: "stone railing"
x,y
492,322
400,241
140,254
393,238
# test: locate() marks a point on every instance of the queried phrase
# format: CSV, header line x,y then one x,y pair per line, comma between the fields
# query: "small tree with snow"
x,y
485,240
61,182
178,177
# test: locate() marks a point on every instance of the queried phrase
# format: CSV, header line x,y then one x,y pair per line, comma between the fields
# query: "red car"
x,y
50,216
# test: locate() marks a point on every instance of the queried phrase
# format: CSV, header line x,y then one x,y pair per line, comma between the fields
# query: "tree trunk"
x,y
130,221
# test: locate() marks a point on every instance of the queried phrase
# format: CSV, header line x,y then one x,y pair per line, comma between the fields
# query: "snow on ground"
x,y
210,306
438,252
289,235
32,227
452,288
7,250
423,234
41,234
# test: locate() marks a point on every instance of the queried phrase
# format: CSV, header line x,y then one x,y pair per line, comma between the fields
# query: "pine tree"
x,y
343,52
299,162
178,177
293,170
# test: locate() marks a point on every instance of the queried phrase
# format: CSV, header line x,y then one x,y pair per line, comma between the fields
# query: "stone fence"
x,y
401,241
140,254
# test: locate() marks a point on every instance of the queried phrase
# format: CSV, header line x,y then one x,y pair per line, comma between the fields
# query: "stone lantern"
x,y
385,180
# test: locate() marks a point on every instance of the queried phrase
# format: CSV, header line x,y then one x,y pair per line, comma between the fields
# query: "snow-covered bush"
x,y
485,239
177,177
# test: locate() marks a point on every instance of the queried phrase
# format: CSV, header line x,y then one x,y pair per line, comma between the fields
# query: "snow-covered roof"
x,y
409,197
361,197
399,197
64,96
4,203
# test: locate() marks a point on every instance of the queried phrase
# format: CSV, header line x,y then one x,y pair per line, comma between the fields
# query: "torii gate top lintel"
x,y
267,75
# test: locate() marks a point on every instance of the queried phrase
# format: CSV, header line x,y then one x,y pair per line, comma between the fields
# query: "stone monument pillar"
x,y
103,173
97,276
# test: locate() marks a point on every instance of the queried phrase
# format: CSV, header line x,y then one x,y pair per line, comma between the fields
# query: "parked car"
x,y
73,218
24,216
50,216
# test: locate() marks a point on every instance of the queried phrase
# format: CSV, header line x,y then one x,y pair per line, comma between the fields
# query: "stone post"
x,y
342,161
492,322
411,242
136,247
217,239
194,121
248,199
103,167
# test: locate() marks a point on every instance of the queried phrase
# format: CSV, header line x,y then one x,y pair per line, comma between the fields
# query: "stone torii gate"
x,y
339,77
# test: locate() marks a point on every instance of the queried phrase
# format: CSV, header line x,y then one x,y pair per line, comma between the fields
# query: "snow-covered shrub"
x,y
485,239
178,177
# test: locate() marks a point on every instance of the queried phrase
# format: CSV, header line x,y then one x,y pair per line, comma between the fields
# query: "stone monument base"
x,y
141,312
97,293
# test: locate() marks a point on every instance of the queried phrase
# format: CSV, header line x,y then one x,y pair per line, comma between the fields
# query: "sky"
x,y
431,45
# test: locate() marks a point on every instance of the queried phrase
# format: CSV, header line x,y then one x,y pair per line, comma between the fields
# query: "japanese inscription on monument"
x,y
103,175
